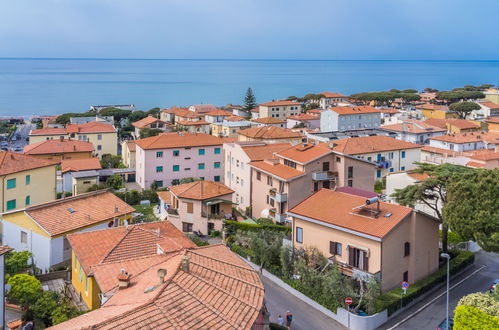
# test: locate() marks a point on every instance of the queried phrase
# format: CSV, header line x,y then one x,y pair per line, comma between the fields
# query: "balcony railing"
x,y
278,197
324,175
212,216
172,211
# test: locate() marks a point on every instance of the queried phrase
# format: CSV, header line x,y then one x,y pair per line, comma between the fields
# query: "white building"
x,y
330,99
3,250
466,141
349,118
414,131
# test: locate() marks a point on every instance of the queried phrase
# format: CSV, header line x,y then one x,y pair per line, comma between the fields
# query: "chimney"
x,y
61,137
161,274
185,264
115,209
123,279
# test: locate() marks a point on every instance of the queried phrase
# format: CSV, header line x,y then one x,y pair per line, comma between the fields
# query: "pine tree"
x,y
249,100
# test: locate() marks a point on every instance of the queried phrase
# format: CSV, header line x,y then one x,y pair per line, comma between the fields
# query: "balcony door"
x,y
358,258
325,166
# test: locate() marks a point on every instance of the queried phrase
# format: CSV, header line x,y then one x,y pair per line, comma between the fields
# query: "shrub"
x,y
215,233
243,252
232,226
275,326
198,241
24,290
483,301
17,262
467,317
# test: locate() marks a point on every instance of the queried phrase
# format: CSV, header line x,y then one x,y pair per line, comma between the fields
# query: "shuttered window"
x,y
407,249
358,258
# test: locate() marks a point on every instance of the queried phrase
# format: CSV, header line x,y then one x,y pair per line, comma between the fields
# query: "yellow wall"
x,y
127,155
438,114
90,296
81,185
492,98
40,138
20,219
108,142
69,155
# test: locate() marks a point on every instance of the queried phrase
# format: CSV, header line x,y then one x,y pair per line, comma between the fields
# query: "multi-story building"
x,y
492,124
230,127
168,115
297,172
60,149
202,108
199,206
466,141
279,109
389,154
349,118
151,122
216,116
330,99
169,157
436,111
305,120
368,238
414,131
269,134
237,171
75,176
128,153
269,121
104,137
492,95
25,180
487,109
454,125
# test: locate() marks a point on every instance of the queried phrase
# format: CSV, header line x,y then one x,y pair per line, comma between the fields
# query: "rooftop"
x,y
218,112
370,144
490,105
91,127
84,164
354,110
468,137
264,151
269,132
58,147
304,116
279,103
304,153
11,162
192,123
203,108
459,123
413,126
174,110
331,95
131,145
431,106
145,122
277,169
357,192
268,120
200,190
178,140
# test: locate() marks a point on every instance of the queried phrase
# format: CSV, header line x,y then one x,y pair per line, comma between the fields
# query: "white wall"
x,y
457,147
332,122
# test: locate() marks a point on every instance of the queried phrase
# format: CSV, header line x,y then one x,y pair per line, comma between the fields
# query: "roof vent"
x,y
387,215
161,275
185,264
71,210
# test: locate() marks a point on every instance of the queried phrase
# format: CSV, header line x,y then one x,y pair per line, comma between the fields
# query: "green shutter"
x,y
28,179
27,201
11,183
11,204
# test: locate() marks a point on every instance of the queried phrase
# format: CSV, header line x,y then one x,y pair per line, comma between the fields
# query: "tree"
x,y
118,114
111,161
65,311
431,192
459,95
148,132
472,208
266,245
410,90
430,90
249,100
17,262
154,112
115,181
464,108
24,290
45,305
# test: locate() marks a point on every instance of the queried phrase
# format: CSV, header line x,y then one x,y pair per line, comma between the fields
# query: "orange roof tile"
x,y
475,164
145,122
277,169
369,144
58,147
218,112
338,209
418,176
11,162
262,152
269,132
234,118
304,116
413,126
484,154
90,127
493,120
178,140
305,153
184,113
5,249
269,120
84,164
73,213
279,103
355,110
436,122
389,111
204,108
174,110
200,190
192,123
468,137
440,151
461,123
314,111
131,145
490,105
333,95
430,106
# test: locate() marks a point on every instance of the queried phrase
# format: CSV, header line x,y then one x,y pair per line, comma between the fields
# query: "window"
x,y
99,136
28,179
99,147
338,159
259,176
217,151
350,183
299,235
190,207
402,168
11,183
378,173
216,178
269,180
358,258
391,169
403,154
407,249
390,155
27,200
335,248
76,264
81,274
201,166
405,277
325,166
201,152
378,157
350,172
316,186
86,285
326,184
11,204
176,168
159,154
289,163
186,227
159,169
159,183
216,164
176,153
24,237
241,182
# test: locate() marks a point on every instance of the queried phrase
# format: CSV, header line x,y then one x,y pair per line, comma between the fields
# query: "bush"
x,y
198,241
483,301
467,317
243,252
215,233
134,197
232,226
275,326
24,290
17,262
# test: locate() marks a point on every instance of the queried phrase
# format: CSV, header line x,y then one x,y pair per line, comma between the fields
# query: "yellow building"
x,y
25,180
492,95
103,136
492,124
128,153
101,257
60,149
230,127
436,111
42,229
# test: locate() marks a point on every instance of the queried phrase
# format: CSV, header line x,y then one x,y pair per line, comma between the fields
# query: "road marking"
x,y
434,299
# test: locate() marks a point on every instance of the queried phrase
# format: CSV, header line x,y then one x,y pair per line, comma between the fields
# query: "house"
x,y
25,180
104,137
202,108
193,126
484,159
270,134
168,115
492,95
42,229
348,118
329,99
295,173
151,122
492,124
83,120
436,111
427,97
255,113
199,206
216,116
269,121
4,249
414,131
197,287
305,120
230,127
279,109
97,254
169,157
58,150
454,125
368,238
73,180
466,141
128,153
487,109
390,116
389,154
238,155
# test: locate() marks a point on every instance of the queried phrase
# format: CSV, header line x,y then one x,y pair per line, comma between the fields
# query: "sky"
x,y
251,29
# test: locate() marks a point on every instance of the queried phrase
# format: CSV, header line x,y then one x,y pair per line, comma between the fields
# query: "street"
x,y
279,301
21,135
431,316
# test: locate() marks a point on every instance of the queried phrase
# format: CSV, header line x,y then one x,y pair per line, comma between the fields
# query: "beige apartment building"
x,y
279,109
368,238
128,153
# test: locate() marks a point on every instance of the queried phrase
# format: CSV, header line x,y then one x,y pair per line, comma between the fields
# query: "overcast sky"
x,y
256,29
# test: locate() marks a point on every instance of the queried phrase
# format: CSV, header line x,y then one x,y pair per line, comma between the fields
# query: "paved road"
x,y
21,135
305,317
431,316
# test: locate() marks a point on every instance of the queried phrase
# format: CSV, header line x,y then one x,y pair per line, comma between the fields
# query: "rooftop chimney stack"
x,y
123,279
185,264
161,274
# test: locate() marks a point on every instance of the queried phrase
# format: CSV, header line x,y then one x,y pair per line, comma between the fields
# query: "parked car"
x,y
18,149
4,149
493,287
14,138
443,324
4,143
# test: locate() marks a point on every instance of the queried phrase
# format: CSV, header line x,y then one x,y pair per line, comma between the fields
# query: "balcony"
x,y
278,197
172,212
277,217
324,175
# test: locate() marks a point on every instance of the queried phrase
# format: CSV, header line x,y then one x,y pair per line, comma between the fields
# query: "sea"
x,y
53,86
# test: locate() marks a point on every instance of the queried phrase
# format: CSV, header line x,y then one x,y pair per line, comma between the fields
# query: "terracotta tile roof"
x,y
90,127
475,164
369,144
262,152
436,122
413,126
11,162
304,116
73,213
58,147
5,249
218,112
355,110
315,111
48,131
493,120
279,103
192,123
276,169
184,113
468,137
268,120
490,105
418,176
174,110
430,106
338,209
461,123
204,108
304,153
484,154
357,192
145,122
440,151
200,190
269,132
234,118
84,164
179,140
332,95
131,145
219,291
389,111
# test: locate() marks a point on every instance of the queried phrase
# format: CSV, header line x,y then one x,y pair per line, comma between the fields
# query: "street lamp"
x,y
447,256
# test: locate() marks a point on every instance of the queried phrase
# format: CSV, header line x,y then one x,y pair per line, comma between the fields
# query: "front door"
x,y
215,209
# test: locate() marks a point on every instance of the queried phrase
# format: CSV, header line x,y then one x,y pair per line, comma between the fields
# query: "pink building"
x,y
169,157
299,171
305,120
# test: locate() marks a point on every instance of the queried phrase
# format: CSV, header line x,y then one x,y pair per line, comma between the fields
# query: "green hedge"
x,y
233,226
467,317
275,326
391,299
243,252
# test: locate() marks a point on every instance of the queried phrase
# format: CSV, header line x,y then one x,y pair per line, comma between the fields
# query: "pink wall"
x,y
311,123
